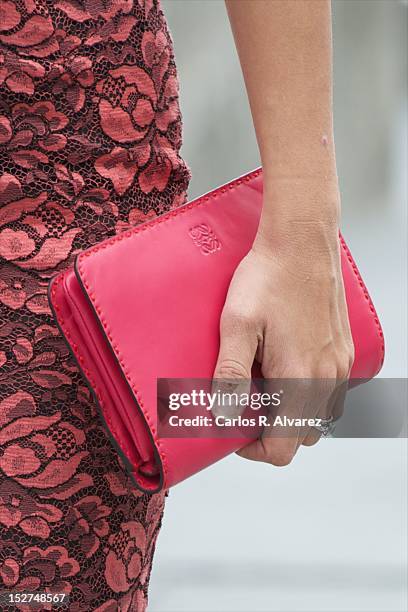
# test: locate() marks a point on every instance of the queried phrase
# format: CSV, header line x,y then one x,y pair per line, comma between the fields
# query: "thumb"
x,y
232,374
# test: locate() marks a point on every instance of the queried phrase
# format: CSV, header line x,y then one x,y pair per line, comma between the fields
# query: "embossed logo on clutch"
x,y
205,239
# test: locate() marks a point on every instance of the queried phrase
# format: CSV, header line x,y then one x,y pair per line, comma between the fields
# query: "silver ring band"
x,y
326,427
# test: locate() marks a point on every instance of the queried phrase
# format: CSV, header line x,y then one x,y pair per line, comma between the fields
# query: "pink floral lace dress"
x,y
90,132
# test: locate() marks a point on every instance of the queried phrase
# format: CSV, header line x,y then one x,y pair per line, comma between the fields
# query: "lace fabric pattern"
x,y
90,133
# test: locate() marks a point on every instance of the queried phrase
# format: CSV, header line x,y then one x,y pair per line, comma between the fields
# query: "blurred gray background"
x,y
329,532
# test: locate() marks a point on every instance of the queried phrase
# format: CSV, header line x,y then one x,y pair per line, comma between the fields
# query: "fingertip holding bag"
x,y
146,303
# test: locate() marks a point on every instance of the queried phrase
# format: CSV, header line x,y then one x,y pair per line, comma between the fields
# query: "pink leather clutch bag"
x,y
146,304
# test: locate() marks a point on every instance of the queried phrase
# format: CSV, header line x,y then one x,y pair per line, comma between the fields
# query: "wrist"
x,y
303,252
300,206
304,238
298,236
295,194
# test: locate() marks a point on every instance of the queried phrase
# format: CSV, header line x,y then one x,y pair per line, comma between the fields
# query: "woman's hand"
x,y
286,303
286,308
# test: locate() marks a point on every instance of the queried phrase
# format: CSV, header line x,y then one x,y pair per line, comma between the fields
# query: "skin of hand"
x,y
286,303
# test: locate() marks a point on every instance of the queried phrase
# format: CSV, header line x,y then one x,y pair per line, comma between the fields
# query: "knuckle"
x,y
345,364
336,367
280,458
343,371
231,368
